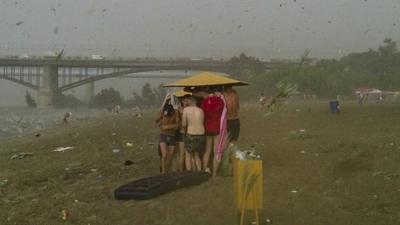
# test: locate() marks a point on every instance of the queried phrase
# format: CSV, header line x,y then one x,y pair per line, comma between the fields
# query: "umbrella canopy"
x,y
206,79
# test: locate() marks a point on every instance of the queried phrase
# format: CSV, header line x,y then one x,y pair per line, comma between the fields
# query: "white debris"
x,y
128,144
63,149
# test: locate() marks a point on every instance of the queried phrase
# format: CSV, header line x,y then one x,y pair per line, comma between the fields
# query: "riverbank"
x,y
319,168
22,121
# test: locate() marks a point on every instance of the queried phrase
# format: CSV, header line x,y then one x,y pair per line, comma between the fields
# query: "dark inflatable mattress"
x,y
150,187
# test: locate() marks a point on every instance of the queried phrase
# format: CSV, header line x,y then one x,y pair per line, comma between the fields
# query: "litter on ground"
x,y
128,144
21,155
3,183
63,149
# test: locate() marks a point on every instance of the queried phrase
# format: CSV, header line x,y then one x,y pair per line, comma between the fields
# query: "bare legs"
x,y
215,161
197,160
192,161
163,149
207,153
181,159
188,161
210,147
167,154
170,157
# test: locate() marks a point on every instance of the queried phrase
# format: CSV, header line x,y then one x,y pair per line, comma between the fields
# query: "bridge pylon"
x,y
89,92
48,89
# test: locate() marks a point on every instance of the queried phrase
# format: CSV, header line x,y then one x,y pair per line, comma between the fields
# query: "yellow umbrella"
x,y
205,79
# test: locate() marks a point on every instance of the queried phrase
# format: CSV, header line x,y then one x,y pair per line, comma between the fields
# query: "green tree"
x,y
107,98
245,66
160,94
148,94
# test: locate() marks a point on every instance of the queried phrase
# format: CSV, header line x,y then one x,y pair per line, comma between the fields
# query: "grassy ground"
x,y
343,168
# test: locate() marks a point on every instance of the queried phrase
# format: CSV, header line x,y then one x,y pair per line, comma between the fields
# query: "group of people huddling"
x,y
199,125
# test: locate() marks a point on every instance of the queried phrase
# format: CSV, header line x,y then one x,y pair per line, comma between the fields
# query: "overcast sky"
x,y
192,28
197,28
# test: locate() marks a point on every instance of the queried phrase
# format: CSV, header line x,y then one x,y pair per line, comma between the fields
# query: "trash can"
x,y
334,105
248,190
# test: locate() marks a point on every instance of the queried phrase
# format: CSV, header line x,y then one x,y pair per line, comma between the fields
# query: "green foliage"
x,y
284,90
150,97
245,66
30,102
107,98
330,77
148,94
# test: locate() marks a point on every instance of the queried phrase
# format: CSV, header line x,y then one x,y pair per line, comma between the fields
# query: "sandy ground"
x,y
319,169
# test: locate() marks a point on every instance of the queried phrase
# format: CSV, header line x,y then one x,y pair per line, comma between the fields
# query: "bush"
x,y
106,98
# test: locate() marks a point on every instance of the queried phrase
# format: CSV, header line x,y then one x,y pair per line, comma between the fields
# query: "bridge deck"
x,y
111,63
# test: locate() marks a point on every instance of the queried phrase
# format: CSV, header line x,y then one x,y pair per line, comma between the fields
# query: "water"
x,y
17,121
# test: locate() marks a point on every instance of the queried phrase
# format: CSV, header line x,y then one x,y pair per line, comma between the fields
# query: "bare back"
x,y
232,104
193,119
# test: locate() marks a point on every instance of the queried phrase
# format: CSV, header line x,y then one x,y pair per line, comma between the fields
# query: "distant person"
x,y
117,109
360,98
193,127
66,118
232,114
168,122
213,107
262,100
380,98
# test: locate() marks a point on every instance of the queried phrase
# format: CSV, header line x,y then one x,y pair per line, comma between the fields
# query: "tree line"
x,y
107,98
327,78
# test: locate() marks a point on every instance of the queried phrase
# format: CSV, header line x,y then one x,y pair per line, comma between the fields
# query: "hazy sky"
x,y
197,28
192,28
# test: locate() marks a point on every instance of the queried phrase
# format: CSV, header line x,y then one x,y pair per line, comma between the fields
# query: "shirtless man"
x,y
193,126
232,107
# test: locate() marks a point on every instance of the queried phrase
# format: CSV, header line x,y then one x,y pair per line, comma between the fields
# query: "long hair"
x,y
168,110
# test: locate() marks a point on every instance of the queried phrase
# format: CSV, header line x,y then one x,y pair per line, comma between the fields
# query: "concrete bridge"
x,y
50,77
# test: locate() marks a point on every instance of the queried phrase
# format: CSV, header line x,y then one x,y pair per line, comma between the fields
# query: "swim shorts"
x,y
233,129
179,136
168,139
194,143
211,134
